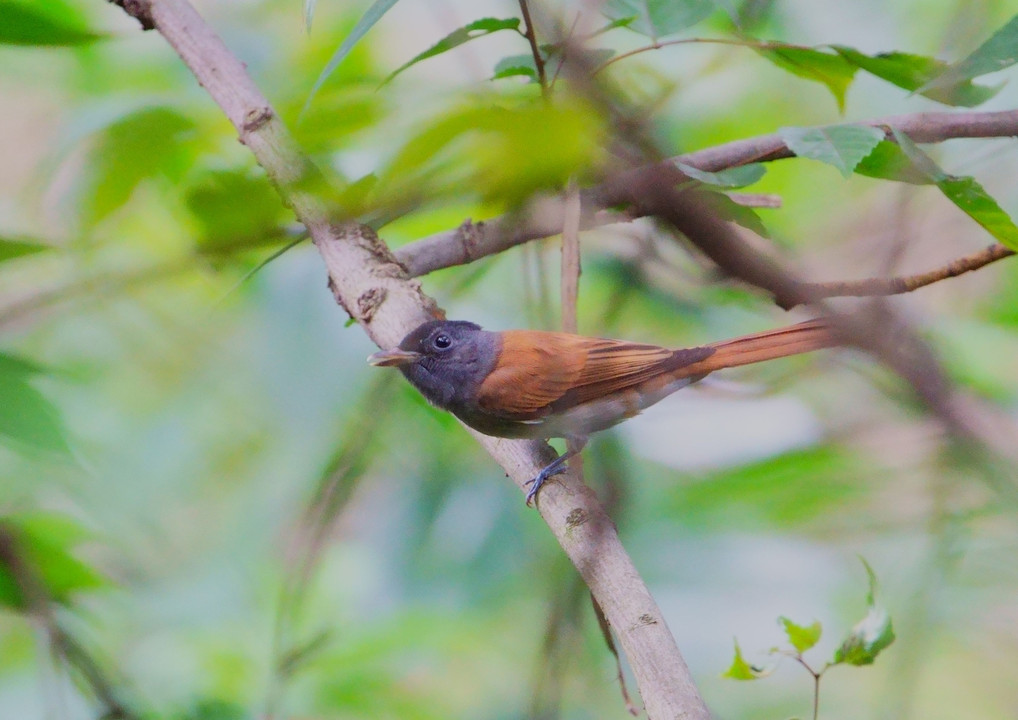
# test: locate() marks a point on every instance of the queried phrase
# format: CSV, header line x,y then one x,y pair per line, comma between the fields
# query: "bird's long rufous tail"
x,y
767,345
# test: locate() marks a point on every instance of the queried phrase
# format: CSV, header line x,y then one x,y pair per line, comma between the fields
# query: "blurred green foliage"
x,y
233,516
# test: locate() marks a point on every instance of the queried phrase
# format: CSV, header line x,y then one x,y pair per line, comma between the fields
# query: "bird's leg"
x,y
574,444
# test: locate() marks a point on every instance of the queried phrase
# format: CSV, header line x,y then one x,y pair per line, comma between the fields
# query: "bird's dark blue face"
x,y
446,360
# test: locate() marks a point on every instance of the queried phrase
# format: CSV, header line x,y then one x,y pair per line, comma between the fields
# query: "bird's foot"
x,y
553,468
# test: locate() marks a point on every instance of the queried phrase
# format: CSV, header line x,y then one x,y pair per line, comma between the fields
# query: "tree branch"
x,y
879,287
472,241
373,287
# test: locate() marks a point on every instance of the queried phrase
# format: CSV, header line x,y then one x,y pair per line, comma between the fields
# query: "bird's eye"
x,y
441,342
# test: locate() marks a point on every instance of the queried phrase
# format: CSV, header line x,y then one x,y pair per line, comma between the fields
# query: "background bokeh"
x,y
248,519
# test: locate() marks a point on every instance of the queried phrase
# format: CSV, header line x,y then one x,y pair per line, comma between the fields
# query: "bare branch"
x,y
373,287
879,287
493,236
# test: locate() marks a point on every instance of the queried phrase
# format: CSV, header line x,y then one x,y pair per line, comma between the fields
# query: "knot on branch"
x,y
140,10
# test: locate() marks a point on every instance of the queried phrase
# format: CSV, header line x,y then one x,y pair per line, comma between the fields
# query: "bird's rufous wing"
x,y
539,372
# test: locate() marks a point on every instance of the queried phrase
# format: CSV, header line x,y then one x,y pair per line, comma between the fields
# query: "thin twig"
x,y
879,287
571,258
752,44
530,34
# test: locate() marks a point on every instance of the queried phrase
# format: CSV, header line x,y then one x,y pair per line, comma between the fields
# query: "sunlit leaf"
x,y
802,637
913,72
740,669
657,18
42,22
998,52
736,177
830,69
371,16
842,146
26,417
870,635
15,247
481,147
967,194
471,31
45,545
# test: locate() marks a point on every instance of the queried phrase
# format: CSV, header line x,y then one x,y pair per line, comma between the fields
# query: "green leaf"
x,y
914,72
42,22
145,143
26,417
476,29
736,177
740,669
997,53
832,70
657,18
978,204
235,210
514,66
889,162
45,544
965,193
730,210
870,635
802,637
15,247
842,146
478,146
371,16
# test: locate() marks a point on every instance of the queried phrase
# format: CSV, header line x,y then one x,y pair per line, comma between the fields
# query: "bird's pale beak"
x,y
393,358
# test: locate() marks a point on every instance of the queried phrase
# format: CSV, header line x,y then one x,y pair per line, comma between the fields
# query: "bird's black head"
x,y
446,360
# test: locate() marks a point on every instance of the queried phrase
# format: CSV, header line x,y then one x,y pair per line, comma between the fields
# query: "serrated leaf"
x,y
842,146
966,193
46,23
471,31
867,639
998,52
913,72
870,635
833,71
15,247
802,637
367,21
516,66
657,18
26,417
736,177
740,669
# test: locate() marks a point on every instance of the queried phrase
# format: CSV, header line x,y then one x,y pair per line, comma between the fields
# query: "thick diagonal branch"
x,y
375,290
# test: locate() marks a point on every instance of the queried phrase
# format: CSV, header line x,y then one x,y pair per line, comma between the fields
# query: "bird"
x,y
534,384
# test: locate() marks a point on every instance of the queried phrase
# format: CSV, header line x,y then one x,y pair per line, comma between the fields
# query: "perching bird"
x,y
532,384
